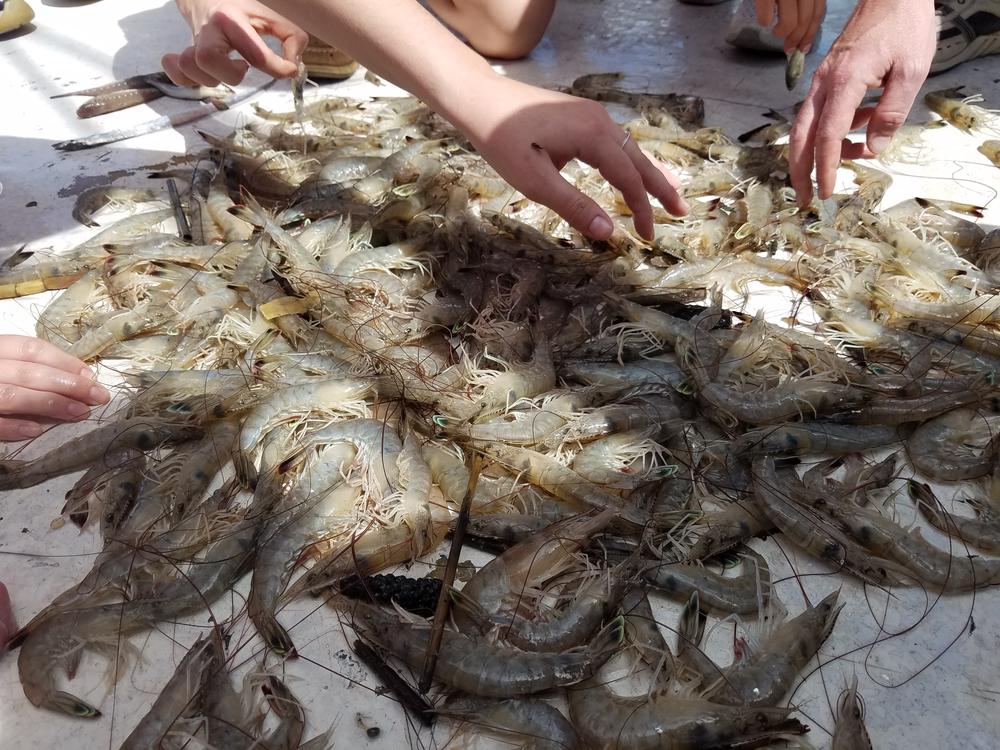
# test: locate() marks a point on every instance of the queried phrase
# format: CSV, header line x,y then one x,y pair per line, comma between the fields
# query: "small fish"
x,y
134,82
795,68
116,101
165,86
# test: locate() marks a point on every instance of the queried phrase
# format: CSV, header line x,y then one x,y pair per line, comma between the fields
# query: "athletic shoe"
x,y
967,29
323,61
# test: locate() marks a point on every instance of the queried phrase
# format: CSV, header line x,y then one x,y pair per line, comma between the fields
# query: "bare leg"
x,y
497,28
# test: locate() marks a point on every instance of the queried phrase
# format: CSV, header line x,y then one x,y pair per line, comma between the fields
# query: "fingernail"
x,y
99,395
29,430
879,143
86,372
807,49
76,409
600,228
685,207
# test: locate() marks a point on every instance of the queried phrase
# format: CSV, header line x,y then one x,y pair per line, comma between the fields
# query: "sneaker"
x,y
745,33
323,61
967,29
14,14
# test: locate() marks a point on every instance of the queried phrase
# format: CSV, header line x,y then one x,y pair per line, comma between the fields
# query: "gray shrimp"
x,y
982,532
782,402
643,634
812,437
527,564
179,699
666,722
480,668
608,420
814,532
572,626
725,529
744,594
937,448
106,491
141,433
767,677
929,565
547,473
92,200
297,522
529,720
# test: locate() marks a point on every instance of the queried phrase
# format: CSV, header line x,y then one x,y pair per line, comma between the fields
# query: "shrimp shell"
x,y
665,722
536,721
477,667
745,594
526,565
768,676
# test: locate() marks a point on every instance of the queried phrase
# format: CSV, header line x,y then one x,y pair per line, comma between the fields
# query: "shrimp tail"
x,y
11,467
71,706
246,471
274,635
691,629
20,636
247,215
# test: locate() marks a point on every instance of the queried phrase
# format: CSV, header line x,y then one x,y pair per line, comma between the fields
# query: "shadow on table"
x,y
38,188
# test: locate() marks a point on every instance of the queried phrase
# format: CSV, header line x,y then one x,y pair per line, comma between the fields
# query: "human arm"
x,y
526,133
886,44
798,20
40,384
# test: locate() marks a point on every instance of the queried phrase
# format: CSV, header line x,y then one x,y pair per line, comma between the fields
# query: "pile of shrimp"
x,y
364,306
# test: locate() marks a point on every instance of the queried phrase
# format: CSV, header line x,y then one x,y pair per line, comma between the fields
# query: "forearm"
x,y
400,41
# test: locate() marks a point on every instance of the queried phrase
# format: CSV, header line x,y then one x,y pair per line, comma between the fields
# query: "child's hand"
x,y
528,134
40,384
220,27
798,20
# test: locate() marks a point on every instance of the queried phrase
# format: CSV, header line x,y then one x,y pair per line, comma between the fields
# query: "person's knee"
x,y
506,45
508,30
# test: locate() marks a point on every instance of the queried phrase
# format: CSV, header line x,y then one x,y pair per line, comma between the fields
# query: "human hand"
x,y
887,44
7,624
528,134
220,27
39,384
798,20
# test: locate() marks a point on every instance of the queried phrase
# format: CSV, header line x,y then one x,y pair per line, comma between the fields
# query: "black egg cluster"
x,y
416,595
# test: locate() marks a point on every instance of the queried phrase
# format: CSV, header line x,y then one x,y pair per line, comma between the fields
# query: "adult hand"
x,y
798,20
39,384
887,44
220,27
528,134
